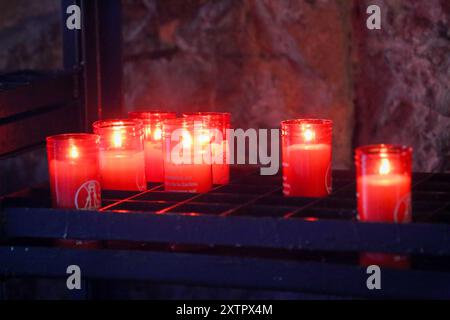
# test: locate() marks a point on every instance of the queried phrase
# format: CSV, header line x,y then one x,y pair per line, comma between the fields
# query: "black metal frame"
x,y
34,105
245,234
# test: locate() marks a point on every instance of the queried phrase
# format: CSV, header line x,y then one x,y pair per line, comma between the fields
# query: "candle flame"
x,y
385,167
74,153
187,140
157,135
204,138
308,134
117,139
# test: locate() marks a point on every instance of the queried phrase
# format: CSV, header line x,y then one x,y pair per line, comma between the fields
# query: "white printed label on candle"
x,y
88,196
328,180
402,213
140,181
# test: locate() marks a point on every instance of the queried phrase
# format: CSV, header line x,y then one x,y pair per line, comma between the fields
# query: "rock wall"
x,y
402,79
30,35
269,60
263,60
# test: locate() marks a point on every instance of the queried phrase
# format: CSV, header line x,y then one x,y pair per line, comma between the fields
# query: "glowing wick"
x,y
187,140
308,134
157,135
385,167
73,153
117,139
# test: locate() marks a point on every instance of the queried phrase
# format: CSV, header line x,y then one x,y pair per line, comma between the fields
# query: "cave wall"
x,y
402,79
267,60
263,60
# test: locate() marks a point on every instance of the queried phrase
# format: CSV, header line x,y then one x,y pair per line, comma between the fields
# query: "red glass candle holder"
x,y
383,178
122,160
187,155
152,122
74,171
218,123
306,154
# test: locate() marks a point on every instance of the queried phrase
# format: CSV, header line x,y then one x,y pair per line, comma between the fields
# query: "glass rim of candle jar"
x,y
153,115
213,119
295,128
368,157
85,142
117,123
187,123
377,151
209,114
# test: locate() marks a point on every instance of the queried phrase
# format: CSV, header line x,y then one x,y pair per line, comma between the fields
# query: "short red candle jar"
x,y
152,122
187,155
383,177
218,123
122,161
74,171
306,156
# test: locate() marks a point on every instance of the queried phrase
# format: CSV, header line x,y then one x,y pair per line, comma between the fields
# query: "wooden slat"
x,y
34,129
324,235
48,91
222,271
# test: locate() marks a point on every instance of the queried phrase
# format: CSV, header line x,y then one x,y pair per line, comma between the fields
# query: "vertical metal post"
x,y
95,51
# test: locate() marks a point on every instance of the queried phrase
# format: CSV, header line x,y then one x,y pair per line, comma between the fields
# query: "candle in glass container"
x,y
306,153
187,162
74,171
74,174
384,183
218,123
152,122
384,193
122,160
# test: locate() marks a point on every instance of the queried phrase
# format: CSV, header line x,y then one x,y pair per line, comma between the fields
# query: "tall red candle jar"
x,y
152,122
122,160
383,178
218,123
306,156
187,155
74,171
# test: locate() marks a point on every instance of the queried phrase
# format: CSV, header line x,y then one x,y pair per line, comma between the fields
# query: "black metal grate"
x,y
252,195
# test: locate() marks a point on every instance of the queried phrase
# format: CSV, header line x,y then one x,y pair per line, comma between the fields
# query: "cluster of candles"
x,y
131,153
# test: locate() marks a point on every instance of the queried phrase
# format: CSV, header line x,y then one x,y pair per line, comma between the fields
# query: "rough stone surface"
x,y
265,61
30,35
402,78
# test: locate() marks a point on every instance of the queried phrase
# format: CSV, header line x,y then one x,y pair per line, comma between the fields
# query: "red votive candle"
x,y
122,163
383,178
187,155
218,123
74,171
306,153
152,122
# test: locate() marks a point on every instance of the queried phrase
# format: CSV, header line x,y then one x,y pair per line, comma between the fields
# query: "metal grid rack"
x,y
244,234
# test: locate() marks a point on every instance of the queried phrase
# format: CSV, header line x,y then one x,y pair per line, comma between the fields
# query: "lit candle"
x,y
384,193
306,153
187,163
74,171
218,123
122,160
74,176
154,161
384,183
